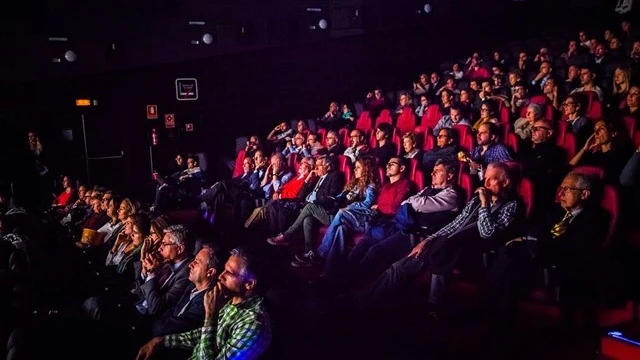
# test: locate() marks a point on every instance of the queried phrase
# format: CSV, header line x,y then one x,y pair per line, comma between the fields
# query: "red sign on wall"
x,y
169,121
152,112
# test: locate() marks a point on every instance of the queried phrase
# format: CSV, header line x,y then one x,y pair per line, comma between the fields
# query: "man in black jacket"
x,y
569,238
319,203
188,313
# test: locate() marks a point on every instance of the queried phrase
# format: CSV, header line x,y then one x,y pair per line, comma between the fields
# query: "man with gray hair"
x,y
569,238
164,275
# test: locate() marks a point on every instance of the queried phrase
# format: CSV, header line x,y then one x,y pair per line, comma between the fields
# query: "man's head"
x,y
454,113
356,138
546,67
435,77
278,161
405,99
192,161
550,86
248,165
587,75
443,173
487,133
424,101
384,131
173,247
243,274
542,131
258,158
179,160
497,179
487,86
574,191
615,44
573,73
301,126
572,105
600,50
325,164
298,139
514,77
331,138
306,165
312,139
205,267
333,107
395,167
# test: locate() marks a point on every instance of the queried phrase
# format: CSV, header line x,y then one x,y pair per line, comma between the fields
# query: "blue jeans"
x,y
333,246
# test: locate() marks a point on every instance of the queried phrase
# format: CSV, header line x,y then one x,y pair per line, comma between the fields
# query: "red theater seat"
x,y
237,169
364,121
406,121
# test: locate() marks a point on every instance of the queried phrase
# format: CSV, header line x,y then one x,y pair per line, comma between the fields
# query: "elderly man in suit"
x,y
162,279
188,313
569,238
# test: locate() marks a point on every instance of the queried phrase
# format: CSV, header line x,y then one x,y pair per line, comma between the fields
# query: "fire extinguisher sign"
x,y
169,121
152,112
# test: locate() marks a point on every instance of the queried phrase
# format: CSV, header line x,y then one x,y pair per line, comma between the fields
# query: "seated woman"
x,y
348,116
445,149
523,127
67,196
303,128
127,251
357,199
606,150
409,146
487,114
254,144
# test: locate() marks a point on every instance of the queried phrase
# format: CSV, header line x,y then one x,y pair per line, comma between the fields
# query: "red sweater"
x,y
392,195
290,189
65,198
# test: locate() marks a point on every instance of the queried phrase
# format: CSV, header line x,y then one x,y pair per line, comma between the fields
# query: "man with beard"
x,y
236,325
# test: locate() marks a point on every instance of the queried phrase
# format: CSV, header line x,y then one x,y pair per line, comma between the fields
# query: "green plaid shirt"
x,y
243,332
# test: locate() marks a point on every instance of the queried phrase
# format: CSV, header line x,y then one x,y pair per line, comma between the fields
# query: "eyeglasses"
x,y
354,136
392,163
568,104
564,189
167,244
484,109
443,136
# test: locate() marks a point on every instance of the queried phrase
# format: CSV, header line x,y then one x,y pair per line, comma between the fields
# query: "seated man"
x,y
357,145
430,209
279,136
332,120
188,184
570,237
485,217
385,149
161,280
236,325
449,121
334,145
226,191
188,313
488,150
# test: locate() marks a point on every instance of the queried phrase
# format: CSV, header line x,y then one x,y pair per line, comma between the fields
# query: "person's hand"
x,y
150,348
369,95
374,207
151,263
474,165
276,196
483,195
539,76
591,143
289,144
214,300
277,128
537,58
418,249
518,239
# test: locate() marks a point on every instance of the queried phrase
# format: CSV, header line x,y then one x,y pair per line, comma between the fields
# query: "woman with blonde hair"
x,y
621,87
356,202
410,146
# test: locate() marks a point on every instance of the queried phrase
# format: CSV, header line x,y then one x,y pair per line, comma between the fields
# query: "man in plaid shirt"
x,y
236,325
486,215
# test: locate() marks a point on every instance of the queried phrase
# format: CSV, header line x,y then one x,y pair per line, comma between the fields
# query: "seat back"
x,y
513,142
611,203
419,179
343,134
237,169
344,163
467,143
406,121
414,165
384,117
569,145
630,124
364,121
322,134
431,116
466,183
592,171
462,130
526,193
